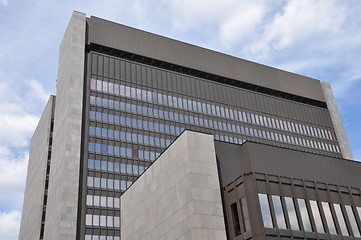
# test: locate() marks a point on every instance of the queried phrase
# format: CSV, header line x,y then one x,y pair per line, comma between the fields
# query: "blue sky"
x,y
316,38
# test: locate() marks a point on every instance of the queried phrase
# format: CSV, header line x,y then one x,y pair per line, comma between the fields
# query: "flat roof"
x,y
117,36
235,160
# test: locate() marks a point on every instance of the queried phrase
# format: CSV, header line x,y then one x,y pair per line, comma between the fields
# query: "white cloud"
x,y
242,23
12,174
19,111
229,21
16,129
4,2
9,225
37,90
300,21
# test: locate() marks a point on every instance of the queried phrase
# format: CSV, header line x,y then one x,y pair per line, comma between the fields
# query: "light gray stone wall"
x,y
178,197
336,121
35,179
61,218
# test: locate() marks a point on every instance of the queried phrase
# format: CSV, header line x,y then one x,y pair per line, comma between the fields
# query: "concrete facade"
x,y
336,121
178,197
62,214
35,180
117,36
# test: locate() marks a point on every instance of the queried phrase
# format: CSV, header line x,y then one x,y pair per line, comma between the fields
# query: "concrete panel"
x,y
178,197
150,45
61,219
235,160
35,180
336,121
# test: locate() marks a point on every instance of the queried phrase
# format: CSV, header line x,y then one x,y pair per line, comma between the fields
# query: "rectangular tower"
x,y
124,95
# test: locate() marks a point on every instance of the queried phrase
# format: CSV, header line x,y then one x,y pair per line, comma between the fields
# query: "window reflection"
x,y
351,217
305,215
245,215
292,214
317,217
341,220
265,210
280,218
329,218
179,102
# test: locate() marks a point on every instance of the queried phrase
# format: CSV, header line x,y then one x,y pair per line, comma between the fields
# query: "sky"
x,y
316,38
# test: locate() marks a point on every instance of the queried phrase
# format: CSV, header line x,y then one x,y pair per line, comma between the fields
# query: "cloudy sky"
x,y
316,38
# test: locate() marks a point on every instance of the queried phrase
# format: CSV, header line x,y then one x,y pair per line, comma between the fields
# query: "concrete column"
x,y
336,121
61,217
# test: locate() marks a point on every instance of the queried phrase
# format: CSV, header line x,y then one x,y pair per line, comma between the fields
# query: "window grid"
x,y
239,115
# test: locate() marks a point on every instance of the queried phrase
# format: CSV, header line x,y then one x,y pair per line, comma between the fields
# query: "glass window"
x,y
277,204
104,165
235,219
141,169
116,202
122,186
116,167
116,222
175,102
103,221
90,182
98,116
97,164
88,220
245,215
104,148
129,169
116,89
133,93
292,214
329,218
154,97
116,184
121,90
95,220
144,95
110,183
96,201
110,221
89,200
97,147
341,220
135,169
351,217
204,108
127,91
317,216
265,209
110,166
103,183
103,201
99,85
305,215
91,147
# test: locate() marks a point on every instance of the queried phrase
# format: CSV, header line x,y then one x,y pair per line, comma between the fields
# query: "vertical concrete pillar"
x,y
61,218
336,121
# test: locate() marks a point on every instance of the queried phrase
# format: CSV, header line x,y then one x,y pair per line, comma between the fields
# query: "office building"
x,y
240,150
